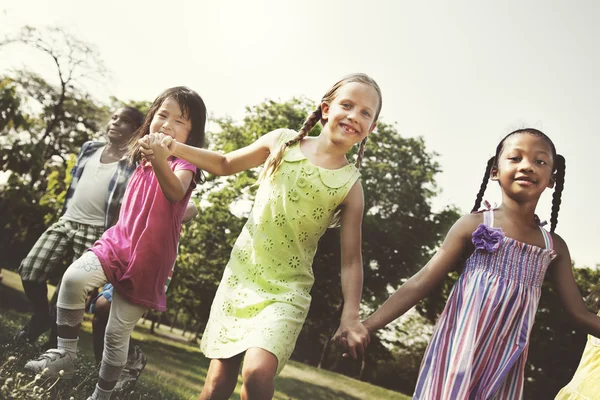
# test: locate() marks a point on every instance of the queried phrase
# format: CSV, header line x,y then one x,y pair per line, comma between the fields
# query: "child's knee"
x,y
257,375
101,311
220,386
72,289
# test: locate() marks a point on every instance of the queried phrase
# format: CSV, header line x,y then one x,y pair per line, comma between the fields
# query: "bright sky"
x,y
462,74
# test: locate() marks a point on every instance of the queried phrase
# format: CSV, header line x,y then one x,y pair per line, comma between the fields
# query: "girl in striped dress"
x,y
479,346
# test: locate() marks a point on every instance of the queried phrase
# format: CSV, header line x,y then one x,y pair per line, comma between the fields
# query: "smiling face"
x,y
524,166
351,114
170,120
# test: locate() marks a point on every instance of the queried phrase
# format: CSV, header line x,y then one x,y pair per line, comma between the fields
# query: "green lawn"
x,y
176,369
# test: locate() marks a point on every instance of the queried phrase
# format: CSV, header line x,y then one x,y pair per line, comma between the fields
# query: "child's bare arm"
x,y
356,337
455,247
564,281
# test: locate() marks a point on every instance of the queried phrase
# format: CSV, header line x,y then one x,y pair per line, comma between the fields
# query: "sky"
x,y
460,74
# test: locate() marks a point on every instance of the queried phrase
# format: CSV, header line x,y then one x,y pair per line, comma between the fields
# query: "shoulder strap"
x,y
488,218
547,238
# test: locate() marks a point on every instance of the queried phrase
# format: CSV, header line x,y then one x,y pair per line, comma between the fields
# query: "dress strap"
x,y
488,218
547,238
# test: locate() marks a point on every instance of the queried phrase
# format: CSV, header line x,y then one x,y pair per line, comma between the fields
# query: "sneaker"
x,y
136,362
54,361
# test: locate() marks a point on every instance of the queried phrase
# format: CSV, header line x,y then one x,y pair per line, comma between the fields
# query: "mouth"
x,y
112,130
525,180
348,129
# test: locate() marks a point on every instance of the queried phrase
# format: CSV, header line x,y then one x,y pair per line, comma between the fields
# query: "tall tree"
x,y
46,119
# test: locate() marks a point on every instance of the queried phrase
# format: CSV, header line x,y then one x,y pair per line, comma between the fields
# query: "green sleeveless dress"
x,y
264,295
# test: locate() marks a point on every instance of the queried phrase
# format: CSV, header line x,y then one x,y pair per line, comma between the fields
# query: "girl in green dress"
x,y
264,295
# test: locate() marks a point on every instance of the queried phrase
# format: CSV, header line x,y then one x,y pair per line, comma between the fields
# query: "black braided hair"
x,y
486,176
559,184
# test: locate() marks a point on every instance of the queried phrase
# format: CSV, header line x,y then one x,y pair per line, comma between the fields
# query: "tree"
x,y
556,343
43,124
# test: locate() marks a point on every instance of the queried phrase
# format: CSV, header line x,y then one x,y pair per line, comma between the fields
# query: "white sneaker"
x,y
55,361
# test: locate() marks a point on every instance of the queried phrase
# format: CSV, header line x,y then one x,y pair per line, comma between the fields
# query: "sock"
x,y
101,394
69,345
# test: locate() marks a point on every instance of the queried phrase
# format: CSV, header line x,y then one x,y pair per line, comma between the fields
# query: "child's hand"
x,y
156,145
145,148
354,337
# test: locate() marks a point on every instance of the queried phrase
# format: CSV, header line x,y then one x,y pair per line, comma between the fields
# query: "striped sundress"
x,y
479,346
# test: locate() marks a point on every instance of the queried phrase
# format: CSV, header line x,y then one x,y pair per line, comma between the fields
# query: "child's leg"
x,y
121,321
99,322
258,374
221,378
82,276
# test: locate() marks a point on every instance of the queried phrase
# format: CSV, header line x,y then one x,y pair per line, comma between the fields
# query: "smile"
x,y
525,180
348,129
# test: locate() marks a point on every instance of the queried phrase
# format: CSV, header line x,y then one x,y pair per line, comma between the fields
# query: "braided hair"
x,y
275,158
558,170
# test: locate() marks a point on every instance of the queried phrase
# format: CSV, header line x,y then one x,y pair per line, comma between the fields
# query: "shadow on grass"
x,y
298,389
185,368
13,299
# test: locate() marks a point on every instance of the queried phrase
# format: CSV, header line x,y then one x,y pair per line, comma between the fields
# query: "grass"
x,y
176,369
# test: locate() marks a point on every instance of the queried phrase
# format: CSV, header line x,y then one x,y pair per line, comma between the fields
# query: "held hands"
x,y
354,338
156,146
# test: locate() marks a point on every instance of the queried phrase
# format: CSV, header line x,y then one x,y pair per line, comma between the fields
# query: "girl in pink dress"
x,y
137,254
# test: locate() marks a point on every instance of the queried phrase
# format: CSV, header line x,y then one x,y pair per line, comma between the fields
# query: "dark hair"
x,y
137,115
275,158
191,105
558,169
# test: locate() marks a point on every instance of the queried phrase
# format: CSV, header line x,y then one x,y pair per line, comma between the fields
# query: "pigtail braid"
x,y
558,188
484,182
274,160
360,153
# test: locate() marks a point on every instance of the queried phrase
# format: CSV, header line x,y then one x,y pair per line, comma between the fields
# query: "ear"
x,y
552,181
494,174
324,111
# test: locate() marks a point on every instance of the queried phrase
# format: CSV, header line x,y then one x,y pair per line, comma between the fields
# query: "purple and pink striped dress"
x,y
479,347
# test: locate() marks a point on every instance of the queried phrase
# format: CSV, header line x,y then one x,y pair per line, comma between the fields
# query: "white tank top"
x,y
88,205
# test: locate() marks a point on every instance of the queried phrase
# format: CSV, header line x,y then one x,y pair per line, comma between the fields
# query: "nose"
x,y
525,165
352,115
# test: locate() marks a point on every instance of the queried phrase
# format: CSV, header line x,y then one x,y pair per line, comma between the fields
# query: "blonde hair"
x,y
274,160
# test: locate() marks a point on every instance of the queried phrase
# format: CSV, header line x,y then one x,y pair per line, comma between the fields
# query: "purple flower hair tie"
x,y
487,238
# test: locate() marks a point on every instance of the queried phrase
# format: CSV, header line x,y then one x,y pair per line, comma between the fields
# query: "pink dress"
x,y
137,254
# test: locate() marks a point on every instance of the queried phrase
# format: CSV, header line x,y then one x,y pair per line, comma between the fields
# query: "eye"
x,y
367,114
541,162
346,105
515,158
180,122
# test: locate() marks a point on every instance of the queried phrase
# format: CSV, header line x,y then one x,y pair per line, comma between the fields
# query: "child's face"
x,y
170,121
351,115
121,126
524,166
